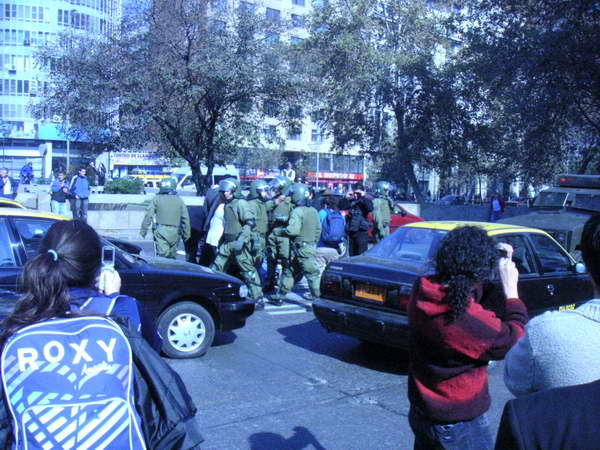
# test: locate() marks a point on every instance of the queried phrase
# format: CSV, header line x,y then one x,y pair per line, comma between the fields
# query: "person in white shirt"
x,y
289,172
215,231
8,185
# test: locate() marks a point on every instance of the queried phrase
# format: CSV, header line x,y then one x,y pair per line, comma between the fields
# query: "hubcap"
x,y
186,332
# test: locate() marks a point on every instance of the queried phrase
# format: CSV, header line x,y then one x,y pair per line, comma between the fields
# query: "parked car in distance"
x,y
366,296
451,200
189,303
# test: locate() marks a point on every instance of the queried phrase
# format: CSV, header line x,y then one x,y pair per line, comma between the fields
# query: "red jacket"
x,y
448,380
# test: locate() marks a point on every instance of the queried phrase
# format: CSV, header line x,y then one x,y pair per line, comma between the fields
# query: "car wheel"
x,y
187,330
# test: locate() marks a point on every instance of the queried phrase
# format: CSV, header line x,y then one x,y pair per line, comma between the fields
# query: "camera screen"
x,y
108,255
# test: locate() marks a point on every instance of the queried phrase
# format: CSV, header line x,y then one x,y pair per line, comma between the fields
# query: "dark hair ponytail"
x,y
466,256
69,256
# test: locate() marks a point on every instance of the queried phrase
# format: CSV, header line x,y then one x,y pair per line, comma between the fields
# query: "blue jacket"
x,y
122,306
80,186
57,192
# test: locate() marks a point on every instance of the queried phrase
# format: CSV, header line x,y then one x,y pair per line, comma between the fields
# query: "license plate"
x,y
369,292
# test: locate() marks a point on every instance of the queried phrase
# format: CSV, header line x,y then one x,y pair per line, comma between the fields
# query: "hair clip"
x,y
54,254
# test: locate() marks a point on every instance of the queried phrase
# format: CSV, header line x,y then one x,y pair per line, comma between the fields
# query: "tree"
x,y
375,65
192,78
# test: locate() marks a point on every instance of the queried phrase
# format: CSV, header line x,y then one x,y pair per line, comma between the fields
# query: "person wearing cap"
x,y
170,219
239,223
382,210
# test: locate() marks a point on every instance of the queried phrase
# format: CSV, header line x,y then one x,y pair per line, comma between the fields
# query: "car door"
x,y
563,286
10,267
532,287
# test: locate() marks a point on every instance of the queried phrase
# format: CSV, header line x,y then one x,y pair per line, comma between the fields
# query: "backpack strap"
x,y
100,305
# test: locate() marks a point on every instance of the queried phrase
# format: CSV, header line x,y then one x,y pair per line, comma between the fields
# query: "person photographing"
x,y
358,207
453,337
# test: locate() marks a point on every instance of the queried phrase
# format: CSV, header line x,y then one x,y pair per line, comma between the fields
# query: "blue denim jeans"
x,y
474,434
59,207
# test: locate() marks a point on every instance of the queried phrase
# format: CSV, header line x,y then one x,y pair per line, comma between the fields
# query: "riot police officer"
x,y
382,210
259,195
239,223
304,230
279,210
170,219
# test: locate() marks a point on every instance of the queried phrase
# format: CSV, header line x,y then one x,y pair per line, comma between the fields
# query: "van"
x,y
185,182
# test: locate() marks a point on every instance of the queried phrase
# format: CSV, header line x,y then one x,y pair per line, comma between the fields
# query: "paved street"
x,y
283,382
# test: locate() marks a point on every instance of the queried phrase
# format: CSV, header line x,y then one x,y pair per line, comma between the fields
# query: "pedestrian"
x,y
382,210
257,199
79,369
8,185
558,346
27,174
101,174
59,194
496,207
197,217
289,171
304,231
279,209
80,195
560,418
358,207
239,224
169,218
92,173
333,233
339,190
452,339
212,203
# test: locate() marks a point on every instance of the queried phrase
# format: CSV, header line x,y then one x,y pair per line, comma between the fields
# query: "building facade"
x,y
25,25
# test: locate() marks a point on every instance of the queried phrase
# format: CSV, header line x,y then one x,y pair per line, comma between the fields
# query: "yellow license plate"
x,y
370,292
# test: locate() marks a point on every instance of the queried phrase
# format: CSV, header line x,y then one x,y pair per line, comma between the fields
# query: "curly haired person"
x,y
453,337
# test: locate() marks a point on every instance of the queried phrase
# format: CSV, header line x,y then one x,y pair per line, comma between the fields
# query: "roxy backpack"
x,y
334,228
69,384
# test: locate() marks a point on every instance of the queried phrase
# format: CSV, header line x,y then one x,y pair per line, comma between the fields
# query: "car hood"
x,y
549,220
379,268
173,265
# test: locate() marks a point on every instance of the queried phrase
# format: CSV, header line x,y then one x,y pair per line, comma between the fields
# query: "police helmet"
x,y
279,185
228,185
167,185
299,193
383,188
256,187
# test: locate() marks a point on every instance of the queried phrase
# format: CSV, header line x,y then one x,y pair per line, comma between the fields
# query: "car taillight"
x,y
399,297
331,284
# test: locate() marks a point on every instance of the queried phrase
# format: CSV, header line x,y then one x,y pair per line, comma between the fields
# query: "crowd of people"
x,y
280,224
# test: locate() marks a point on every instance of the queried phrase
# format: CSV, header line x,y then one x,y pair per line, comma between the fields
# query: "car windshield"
x,y
588,201
409,244
556,199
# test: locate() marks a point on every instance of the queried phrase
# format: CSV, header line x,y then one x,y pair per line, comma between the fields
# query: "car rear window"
x,y
417,245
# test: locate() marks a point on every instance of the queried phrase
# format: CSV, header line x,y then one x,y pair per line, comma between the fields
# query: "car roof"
x,y
15,212
490,227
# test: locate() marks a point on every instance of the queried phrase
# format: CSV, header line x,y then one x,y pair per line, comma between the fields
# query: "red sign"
x,y
335,176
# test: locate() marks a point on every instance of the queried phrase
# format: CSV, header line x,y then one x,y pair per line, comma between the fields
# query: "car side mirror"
x,y
580,268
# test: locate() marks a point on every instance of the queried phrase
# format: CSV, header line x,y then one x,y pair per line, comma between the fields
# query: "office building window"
x,y
295,133
298,2
273,15
297,21
271,109
316,136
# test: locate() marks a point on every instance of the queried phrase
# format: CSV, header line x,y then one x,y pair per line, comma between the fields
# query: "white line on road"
x,y
294,311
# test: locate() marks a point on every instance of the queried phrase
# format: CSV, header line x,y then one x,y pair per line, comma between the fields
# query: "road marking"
x,y
267,307
294,311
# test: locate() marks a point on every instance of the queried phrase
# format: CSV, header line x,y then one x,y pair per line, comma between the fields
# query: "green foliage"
x,y
124,186
190,77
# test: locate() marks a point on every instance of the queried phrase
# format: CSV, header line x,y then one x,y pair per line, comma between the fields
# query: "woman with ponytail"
x,y
453,337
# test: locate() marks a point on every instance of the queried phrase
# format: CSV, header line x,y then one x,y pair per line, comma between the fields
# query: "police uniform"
x,y
257,200
278,247
382,210
304,230
239,222
170,219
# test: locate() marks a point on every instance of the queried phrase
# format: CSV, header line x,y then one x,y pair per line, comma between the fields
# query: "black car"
x,y
366,296
189,302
